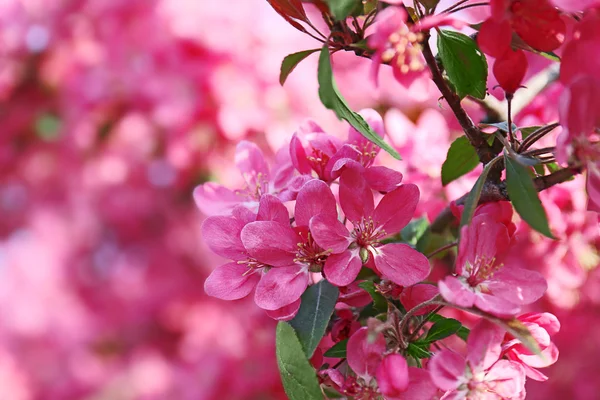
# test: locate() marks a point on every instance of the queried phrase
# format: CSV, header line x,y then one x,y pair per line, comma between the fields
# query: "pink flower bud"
x,y
392,376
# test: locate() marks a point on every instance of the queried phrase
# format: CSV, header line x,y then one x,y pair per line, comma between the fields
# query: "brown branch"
x,y
497,192
472,132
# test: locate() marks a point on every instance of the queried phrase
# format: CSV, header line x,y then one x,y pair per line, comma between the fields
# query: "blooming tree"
x,y
327,241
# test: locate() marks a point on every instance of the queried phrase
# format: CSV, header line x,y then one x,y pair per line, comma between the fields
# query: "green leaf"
x,y
342,8
379,302
414,231
464,63
461,159
338,350
318,302
418,350
474,195
291,61
503,126
442,329
524,196
332,99
519,331
462,332
528,131
298,376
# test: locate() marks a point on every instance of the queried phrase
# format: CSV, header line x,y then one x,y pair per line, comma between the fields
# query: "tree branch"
x,y
497,192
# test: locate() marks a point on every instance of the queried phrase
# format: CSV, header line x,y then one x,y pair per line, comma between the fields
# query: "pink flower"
x,y
482,281
499,211
398,381
479,375
311,150
215,199
397,44
542,327
398,262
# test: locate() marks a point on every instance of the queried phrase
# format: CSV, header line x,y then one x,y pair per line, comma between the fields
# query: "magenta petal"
x,y
346,154
285,313
270,242
230,282
215,199
364,355
314,198
356,197
420,386
298,156
330,233
249,159
518,285
401,264
222,235
484,344
483,238
392,375
342,269
495,305
446,368
280,287
592,186
272,209
382,179
456,292
397,208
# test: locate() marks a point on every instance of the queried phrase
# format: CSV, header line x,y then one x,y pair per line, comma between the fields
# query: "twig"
x,y
445,247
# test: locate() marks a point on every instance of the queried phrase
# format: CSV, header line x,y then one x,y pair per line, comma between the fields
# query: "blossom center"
x,y
310,253
318,162
367,232
404,47
483,268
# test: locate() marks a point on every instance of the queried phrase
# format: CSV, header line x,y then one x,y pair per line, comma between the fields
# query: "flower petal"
x,y
496,305
222,235
330,233
506,378
484,344
401,264
249,159
456,292
285,313
272,209
392,375
270,242
342,269
280,287
215,199
230,282
363,354
397,208
518,285
446,368
382,179
298,155
356,197
314,198
420,386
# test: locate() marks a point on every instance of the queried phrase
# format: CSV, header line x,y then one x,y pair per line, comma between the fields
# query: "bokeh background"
x,y
111,112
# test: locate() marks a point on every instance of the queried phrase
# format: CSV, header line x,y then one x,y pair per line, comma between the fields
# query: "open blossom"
x,y
397,43
542,327
481,374
482,280
214,199
350,248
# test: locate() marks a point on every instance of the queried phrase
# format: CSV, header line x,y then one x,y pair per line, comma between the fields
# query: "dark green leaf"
x,y
461,159
332,99
414,231
343,8
298,376
318,302
528,131
464,63
462,332
442,329
291,61
418,350
524,196
474,195
379,302
338,350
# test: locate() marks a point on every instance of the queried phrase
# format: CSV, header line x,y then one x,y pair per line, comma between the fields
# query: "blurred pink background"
x,y
111,112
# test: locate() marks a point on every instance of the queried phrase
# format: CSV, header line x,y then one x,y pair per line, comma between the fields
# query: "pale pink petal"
x,y
356,197
444,19
397,208
401,264
272,209
342,269
545,320
285,313
495,305
249,159
456,292
549,357
382,179
280,287
518,285
330,233
230,282
392,375
484,345
420,386
270,242
363,354
222,235
215,199
446,368
506,378
314,198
